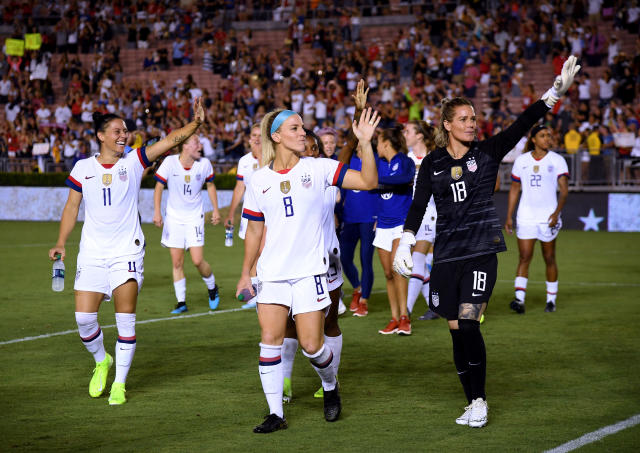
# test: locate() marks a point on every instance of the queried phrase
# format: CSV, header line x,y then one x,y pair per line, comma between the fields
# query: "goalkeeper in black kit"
x,y
461,175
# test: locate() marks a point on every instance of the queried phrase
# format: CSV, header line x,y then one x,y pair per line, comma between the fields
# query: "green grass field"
x,y
194,384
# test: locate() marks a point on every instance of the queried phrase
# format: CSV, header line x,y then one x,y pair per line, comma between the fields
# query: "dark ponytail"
x,y
396,138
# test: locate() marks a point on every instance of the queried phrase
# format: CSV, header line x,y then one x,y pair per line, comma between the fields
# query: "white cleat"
x,y
464,418
341,307
479,413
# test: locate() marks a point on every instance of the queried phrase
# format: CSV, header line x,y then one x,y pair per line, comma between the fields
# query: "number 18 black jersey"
x,y
467,224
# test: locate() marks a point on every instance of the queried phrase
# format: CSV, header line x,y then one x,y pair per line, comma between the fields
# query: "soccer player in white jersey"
x,y
419,138
247,164
286,196
540,173
332,333
184,174
110,261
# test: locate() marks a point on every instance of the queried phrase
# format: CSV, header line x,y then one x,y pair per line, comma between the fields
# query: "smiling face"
x,y
290,135
462,126
114,137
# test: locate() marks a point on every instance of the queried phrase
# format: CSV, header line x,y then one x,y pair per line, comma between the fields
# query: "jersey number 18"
x,y
459,191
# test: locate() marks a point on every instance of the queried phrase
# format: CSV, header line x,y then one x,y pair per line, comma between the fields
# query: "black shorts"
x,y
464,281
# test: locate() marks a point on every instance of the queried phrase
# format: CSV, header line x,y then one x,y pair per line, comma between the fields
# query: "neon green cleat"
x,y
117,394
319,393
482,318
287,394
99,380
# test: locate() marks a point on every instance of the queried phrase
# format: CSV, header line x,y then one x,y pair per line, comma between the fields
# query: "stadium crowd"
x,y
458,48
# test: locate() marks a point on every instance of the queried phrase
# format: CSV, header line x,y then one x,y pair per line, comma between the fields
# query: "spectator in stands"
x,y
606,86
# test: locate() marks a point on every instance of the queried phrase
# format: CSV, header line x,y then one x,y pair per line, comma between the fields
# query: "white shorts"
x,y
334,274
106,274
242,231
301,295
427,231
539,231
385,236
182,235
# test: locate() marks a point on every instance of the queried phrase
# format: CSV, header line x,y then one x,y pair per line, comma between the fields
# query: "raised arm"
x,y
367,178
179,135
360,101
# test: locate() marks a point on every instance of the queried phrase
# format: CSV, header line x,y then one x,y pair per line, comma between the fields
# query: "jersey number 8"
x,y
288,206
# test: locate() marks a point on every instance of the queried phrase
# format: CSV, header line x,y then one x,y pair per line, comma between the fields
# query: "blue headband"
x,y
281,118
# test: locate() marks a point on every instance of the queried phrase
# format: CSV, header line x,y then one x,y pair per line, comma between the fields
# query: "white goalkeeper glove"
x,y
562,82
402,262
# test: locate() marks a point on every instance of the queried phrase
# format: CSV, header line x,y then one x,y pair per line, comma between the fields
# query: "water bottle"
x,y
57,279
245,294
228,236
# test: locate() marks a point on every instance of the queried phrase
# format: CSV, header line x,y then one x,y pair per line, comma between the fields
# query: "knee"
x,y
388,274
525,257
197,261
549,259
271,338
311,347
468,327
178,265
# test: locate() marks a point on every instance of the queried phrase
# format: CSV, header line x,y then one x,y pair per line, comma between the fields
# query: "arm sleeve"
x,y
250,209
161,174
334,171
500,144
74,180
142,156
209,174
563,169
403,175
515,171
421,197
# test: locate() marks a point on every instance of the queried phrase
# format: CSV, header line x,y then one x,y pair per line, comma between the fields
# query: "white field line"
x,y
596,435
194,315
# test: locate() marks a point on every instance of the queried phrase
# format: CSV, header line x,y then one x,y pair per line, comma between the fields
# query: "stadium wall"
x,y
599,211
46,203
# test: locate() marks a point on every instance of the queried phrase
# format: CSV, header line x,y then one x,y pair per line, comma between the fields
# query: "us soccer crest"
x,y
306,180
536,168
471,165
198,177
122,174
285,186
550,168
106,179
456,172
435,299
187,178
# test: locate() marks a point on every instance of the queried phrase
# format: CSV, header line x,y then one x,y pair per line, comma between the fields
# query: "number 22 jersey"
x,y
290,202
110,193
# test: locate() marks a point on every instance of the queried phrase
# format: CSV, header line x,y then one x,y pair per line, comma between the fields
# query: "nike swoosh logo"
x,y
89,177
320,300
331,281
436,173
265,190
266,372
476,295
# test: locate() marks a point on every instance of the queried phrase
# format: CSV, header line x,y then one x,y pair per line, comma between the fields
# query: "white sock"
x,y
335,344
126,344
289,348
425,289
270,368
210,281
521,288
321,362
552,291
181,289
91,334
416,279
429,261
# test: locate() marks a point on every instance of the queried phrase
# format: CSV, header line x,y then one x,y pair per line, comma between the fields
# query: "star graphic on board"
x,y
591,221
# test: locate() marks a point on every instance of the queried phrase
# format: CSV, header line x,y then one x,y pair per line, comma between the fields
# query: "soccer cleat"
x,y
429,315
116,396
392,327
99,380
482,319
363,309
287,393
355,300
214,298
180,308
319,393
464,418
479,413
517,306
404,326
332,405
341,307
250,304
550,308
270,424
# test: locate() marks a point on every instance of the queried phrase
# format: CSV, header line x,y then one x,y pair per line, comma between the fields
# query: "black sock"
x,y
461,362
476,356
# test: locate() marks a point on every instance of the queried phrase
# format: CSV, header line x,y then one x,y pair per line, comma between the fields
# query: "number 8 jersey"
x,y
110,193
290,202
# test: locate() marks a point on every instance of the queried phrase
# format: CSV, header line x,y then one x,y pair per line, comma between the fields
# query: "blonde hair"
x,y
447,110
268,145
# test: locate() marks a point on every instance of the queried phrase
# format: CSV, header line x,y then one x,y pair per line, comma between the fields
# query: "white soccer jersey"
x,y
329,221
291,205
112,223
539,182
185,187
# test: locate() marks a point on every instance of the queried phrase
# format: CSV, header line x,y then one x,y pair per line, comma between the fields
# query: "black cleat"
x,y
270,424
332,405
429,315
550,308
517,306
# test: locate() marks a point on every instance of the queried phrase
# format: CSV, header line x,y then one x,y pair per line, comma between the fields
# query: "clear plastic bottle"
x,y
57,279
228,236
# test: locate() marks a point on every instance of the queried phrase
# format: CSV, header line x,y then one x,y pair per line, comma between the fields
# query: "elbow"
x,y
372,183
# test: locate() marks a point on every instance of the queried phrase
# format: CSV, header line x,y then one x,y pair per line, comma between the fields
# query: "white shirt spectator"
x,y
613,50
43,114
62,114
352,80
195,92
70,148
321,110
594,7
207,149
296,101
606,88
5,87
11,112
584,90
